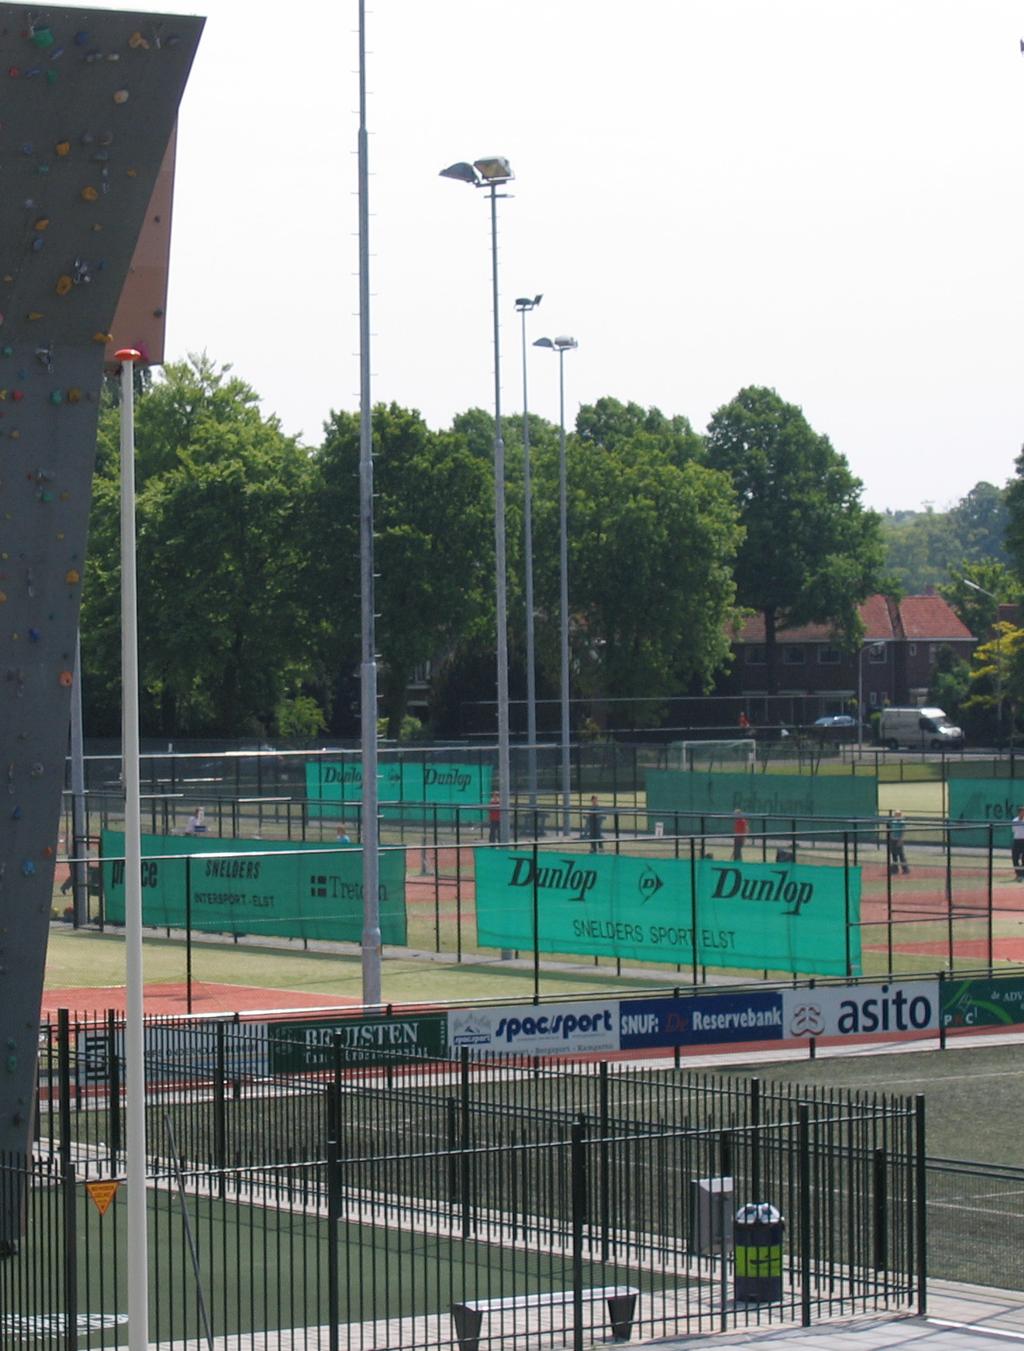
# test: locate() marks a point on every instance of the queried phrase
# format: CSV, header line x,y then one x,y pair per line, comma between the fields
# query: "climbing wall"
x,y
88,100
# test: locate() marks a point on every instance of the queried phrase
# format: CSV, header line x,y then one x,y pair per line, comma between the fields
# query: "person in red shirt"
x,y
494,818
740,827
744,722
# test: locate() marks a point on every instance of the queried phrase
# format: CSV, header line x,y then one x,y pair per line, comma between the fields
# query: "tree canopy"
x,y
811,551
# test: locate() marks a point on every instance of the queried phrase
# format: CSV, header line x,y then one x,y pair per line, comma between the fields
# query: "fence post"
x,y
804,1202
333,1245
578,1165
605,1131
220,1133
64,1079
881,1210
70,1256
464,1142
846,902
921,1214
942,1021
113,1090
695,960
755,1140
991,852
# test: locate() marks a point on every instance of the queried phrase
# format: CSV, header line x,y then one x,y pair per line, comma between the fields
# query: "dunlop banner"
x,y
784,917
335,789
308,892
987,801
297,1046
983,1003
788,800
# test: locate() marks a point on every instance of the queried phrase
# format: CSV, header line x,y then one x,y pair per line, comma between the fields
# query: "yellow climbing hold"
x,y
63,148
89,194
64,285
102,337
72,576
42,223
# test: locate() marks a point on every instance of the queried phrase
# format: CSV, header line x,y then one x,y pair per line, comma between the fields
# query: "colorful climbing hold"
x,y
89,194
64,285
121,96
66,679
72,576
62,148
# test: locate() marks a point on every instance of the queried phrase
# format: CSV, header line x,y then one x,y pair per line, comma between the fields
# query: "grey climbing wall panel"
x,y
88,99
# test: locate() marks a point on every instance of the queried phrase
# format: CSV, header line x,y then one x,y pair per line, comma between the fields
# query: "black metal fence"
x,y
425,1204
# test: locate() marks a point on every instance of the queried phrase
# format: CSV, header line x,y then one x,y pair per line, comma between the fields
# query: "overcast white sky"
x,y
823,196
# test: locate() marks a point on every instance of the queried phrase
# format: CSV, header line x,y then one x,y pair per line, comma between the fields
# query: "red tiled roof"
x,y
931,618
928,618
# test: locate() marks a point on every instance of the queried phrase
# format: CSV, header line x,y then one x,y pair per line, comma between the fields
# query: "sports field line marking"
x,y
979,1331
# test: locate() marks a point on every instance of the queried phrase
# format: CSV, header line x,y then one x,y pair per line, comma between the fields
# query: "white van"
x,y
918,729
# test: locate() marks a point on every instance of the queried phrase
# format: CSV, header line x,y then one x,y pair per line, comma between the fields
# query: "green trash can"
x,y
758,1231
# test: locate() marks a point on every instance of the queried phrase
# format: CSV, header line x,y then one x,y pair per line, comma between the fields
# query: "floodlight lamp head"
x,y
494,169
524,303
462,172
565,343
543,342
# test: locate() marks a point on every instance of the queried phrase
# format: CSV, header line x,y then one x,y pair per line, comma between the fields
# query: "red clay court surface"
x,y
207,997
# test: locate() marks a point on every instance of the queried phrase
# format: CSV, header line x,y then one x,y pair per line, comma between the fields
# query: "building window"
x,y
913,649
877,654
793,655
873,698
829,656
755,656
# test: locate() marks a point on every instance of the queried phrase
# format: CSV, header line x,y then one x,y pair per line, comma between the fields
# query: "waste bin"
x,y
758,1231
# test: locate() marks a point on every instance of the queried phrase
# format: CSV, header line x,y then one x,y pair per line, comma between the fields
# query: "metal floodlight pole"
x,y
524,306
491,174
561,346
368,838
135,1066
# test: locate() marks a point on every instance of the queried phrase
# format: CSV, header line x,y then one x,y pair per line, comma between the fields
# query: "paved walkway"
x,y
960,1318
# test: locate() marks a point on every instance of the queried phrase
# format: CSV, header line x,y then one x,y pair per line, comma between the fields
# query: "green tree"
x,y
978,605
221,557
997,677
812,551
979,521
433,546
614,425
651,549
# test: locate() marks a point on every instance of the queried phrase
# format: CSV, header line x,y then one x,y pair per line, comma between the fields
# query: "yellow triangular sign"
x,y
102,1194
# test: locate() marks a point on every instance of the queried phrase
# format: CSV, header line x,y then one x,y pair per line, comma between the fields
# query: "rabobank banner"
x,y
781,801
536,1029
859,1010
700,1020
992,803
778,917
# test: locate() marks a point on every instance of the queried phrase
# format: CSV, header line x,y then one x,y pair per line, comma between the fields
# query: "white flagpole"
x,y
135,1069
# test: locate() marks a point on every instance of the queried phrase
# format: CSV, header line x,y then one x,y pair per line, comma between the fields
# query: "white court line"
x,y
979,1331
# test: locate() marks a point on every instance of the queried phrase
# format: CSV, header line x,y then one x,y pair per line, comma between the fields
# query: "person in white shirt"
x,y
1017,847
197,822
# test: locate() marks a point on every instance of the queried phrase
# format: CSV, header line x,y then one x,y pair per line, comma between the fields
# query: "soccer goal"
x,y
739,754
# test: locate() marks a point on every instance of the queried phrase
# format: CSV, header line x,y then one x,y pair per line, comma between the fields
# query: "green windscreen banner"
x,y
779,801
306,892
335,789
989,802
783,917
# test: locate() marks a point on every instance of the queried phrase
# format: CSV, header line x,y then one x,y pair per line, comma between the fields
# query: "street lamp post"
x,y
492,174
524,305
561,346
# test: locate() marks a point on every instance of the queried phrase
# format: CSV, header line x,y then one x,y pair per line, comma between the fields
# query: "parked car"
x,y
919,729
836,720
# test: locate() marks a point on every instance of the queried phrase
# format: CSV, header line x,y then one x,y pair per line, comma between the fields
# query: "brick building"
x,y
902,640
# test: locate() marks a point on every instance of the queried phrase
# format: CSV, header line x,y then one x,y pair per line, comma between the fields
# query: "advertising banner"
x,y
700,1020
297,1046
335,789
856,1010
543,1029
310,891
783,801
178,1055
986,801
779,917
983,1003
